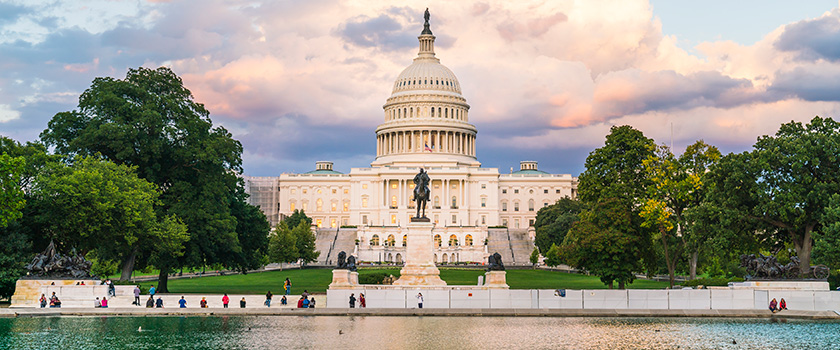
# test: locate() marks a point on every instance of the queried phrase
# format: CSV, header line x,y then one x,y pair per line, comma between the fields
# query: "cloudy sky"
x,y
300,81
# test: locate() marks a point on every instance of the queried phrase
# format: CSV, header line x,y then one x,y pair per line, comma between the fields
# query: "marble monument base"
x,y
419,269
344,279
780,285
496,280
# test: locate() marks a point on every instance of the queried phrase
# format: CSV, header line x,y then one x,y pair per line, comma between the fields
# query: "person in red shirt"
x,y
225,301
362,300
300,302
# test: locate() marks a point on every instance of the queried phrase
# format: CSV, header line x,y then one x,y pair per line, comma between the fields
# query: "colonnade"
x,y
426,112
403,193
416,141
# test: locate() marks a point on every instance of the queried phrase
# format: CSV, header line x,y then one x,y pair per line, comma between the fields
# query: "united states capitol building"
x,y
476,211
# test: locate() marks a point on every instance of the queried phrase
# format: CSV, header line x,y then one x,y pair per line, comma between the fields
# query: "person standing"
x,y
43,301
242,303
268,299
419,300
352,300
152,291
305,293
137,295
287,286
225,301
182,303
362,303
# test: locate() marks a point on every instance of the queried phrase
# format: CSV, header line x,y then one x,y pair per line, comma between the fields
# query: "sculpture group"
x,y
51,264
768,267
345,263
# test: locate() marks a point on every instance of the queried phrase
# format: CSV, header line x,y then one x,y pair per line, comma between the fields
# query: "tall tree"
x,y
98,205
252,228
612,185
11,195
554,221
677,185
305,241
151,121
295,219
785,183
827,241
282,245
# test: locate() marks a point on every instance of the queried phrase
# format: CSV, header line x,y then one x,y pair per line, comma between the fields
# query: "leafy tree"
x,y
282,245
554,221
98,205
827,241
150,120
295,219
535,257
305,242
677,185
784,184
606,243
611,187
252,228
552,256
11,195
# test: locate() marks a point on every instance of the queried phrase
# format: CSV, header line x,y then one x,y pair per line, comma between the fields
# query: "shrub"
x,y
374,278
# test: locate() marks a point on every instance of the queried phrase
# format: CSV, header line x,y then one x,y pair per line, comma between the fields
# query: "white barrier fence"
x,y
697,299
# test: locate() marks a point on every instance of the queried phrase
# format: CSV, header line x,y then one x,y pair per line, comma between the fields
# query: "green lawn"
x,y
317,280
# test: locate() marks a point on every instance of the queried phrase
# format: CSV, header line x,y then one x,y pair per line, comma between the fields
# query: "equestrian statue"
x,y
421,195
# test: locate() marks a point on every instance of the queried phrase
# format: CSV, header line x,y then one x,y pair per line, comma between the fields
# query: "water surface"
x,y
322,332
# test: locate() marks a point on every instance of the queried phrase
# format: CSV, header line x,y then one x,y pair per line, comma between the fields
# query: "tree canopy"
x,y
554,221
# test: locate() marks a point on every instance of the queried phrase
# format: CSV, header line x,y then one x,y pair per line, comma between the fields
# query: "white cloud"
x,y
8,114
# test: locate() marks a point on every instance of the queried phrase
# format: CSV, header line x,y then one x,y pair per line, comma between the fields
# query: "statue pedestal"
x,y
344,279
496,280
419,269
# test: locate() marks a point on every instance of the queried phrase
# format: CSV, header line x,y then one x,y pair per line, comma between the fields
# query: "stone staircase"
x,y
346,241
330,242
324,238
514,245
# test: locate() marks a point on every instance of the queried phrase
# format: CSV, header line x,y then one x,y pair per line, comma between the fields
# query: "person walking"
x,y
419,300
268,299
362,303
352,300
225,301
312,303
152,291
43,301
242,303
287,286
182,303
112,291
137,295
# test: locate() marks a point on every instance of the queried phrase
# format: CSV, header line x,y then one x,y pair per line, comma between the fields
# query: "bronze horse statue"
x,y
421,192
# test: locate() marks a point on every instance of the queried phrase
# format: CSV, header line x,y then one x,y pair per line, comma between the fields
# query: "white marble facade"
x,y
426,125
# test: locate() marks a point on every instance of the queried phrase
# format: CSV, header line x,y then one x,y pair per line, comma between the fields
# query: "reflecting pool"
x,y
323,332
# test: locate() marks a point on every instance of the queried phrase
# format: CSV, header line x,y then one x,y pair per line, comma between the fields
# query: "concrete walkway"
x,y
276,311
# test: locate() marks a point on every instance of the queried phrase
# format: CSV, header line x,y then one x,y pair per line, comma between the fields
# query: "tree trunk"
x,y
621,285
611,285
803,247
692,264
128,266
163,278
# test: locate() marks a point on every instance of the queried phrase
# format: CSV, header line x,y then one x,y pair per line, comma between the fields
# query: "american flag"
x,y
428,148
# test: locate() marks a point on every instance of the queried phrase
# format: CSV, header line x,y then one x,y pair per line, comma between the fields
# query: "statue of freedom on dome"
x,y
421,195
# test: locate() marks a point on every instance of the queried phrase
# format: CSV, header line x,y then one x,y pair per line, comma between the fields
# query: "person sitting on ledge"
x,y
150,303
104,302
43,301
97,303
782,305
242,303
203,303
284,301
158,303
773,304
182,303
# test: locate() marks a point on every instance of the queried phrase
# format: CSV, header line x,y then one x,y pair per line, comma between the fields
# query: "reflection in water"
x,y
293,332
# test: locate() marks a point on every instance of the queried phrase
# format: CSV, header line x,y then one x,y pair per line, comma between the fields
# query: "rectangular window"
x,y
483,202
344,222
318,222
516,191
364,202
454,185
504,191
304,191
334,191
393,218
393,185
292,206
333,207
332,223
545,191
304,206
557,191
293,191
483,186
364,186
516,223
364,219
346,206
483,220
411,186
531,222
346,191
454,219
504,222
516,206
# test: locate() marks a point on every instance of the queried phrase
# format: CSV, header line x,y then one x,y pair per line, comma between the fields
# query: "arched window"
x,y
319,205
446,112
292,206
433,112
453,241
390,241
374,240
468,240
405,241
398,258
437,240
530,205
454,202
443,259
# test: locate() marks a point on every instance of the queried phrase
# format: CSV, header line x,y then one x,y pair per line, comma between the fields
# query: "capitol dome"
x,y
426,117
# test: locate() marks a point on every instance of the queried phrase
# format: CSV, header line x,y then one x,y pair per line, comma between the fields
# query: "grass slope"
x,y
317,280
